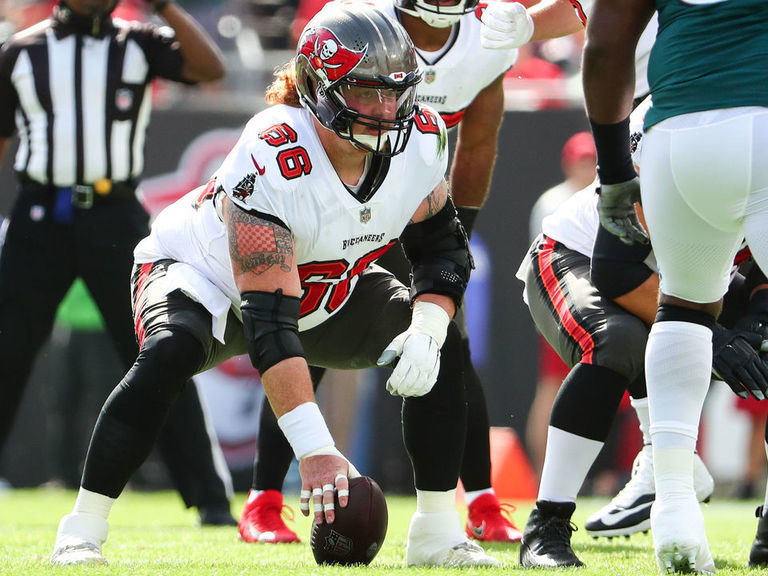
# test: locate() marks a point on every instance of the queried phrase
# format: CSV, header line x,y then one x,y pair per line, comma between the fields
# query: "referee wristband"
x,y
305,429
160,5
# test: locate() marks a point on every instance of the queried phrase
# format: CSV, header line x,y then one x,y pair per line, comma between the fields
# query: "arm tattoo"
x,y
255,245
434,203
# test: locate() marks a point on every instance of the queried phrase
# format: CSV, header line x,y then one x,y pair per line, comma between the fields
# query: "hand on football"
x,y
736,362
616,207
417,361
506,25
322,472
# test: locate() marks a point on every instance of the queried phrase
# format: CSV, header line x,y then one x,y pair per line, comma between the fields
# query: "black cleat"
x,y
758,554
216,516
546,539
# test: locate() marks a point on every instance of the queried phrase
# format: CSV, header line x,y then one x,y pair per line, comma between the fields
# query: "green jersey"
x,y
708,55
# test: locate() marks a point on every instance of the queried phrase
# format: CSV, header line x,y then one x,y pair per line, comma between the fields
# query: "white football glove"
x,y
418,349
506,25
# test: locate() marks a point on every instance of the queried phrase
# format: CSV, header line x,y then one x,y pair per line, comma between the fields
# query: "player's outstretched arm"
x,y
476,147
265,271
508,25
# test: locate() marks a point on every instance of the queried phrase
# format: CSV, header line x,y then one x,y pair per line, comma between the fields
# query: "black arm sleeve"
x,y
617,268
438,250
271,325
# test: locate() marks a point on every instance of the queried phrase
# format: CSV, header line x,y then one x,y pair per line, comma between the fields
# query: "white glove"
x,y
506,25
418,349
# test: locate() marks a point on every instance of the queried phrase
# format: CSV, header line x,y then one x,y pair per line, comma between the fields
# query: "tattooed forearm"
x,y
255,245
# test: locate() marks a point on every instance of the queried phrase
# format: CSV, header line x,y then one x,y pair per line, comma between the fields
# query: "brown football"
x,y
358,532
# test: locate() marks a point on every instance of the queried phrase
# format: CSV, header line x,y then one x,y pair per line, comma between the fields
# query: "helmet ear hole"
x,y
311,88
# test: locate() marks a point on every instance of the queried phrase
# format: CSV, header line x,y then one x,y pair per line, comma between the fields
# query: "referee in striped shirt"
x,y
77,89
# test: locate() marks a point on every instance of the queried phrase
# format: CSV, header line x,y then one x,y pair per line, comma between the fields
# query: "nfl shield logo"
x,y
365,215
429,76
124,99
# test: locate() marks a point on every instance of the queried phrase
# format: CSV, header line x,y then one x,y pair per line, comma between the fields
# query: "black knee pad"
x,y
672,313
168,359
135,411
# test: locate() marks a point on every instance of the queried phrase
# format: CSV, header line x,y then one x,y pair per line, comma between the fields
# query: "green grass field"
x,y
152,535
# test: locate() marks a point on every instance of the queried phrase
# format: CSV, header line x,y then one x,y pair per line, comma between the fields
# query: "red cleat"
x,y
262,519
491,521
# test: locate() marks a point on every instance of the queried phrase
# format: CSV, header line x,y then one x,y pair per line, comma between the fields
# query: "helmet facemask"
x,y
375,118
437,13
358,76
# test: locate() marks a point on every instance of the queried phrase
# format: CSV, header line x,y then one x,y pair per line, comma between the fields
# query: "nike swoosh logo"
x,y
258,168
478,531
616,517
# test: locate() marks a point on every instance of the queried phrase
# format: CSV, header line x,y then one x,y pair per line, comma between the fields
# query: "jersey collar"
x,y
66,22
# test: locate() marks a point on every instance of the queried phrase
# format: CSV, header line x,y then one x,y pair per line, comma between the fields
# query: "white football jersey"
x,y
574,224
644,45
279,170
454,76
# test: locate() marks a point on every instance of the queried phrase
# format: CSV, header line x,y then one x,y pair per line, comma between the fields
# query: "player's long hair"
x,y
283,87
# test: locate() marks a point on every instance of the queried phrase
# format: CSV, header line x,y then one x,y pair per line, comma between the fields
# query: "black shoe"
x,y
758,555
547,536
216,516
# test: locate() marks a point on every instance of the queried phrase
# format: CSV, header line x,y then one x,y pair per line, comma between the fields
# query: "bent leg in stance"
x,y
123,437
434,435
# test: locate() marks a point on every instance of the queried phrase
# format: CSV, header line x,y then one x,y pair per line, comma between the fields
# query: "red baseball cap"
x,y
580,145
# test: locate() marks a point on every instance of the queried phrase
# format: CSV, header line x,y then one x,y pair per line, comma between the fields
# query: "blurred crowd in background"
x,y
257,35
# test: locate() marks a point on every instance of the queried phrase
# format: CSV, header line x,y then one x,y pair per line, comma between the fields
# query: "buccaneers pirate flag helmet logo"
x,y
328,56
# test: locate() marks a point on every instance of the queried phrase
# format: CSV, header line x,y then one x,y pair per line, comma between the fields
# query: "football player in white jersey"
x,y
463,82
594,298
508,26
275,257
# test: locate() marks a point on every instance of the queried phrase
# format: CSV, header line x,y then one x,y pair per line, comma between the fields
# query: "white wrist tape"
x,y
430,319
329,450
305,429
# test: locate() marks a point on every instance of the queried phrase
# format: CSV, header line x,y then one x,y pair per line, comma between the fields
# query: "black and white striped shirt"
x,y
81,103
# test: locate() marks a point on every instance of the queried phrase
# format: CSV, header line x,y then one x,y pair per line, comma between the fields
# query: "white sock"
x,y
673,471
567,461
93,503
432,502
470,497
678,366
641,409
